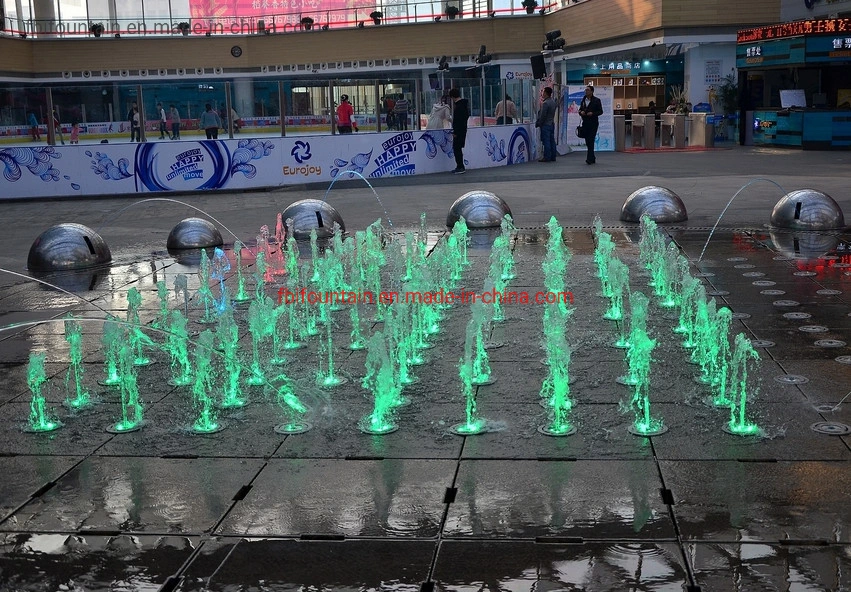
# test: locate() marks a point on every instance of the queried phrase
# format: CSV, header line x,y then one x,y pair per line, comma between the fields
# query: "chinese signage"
x,y
771,53
829,49
796,29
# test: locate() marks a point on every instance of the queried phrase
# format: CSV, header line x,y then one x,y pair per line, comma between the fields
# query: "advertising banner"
x,y
128,168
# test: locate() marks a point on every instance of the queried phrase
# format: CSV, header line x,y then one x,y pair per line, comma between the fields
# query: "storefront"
x,y
796,83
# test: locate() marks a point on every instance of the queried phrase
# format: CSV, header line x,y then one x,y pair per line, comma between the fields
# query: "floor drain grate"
x,y
753,274
827,292
813,329
786,303
745,266
776,293
797,315
739,316
830,343
762,343
718,293
843,359
831,428
764,283
791,379
804,273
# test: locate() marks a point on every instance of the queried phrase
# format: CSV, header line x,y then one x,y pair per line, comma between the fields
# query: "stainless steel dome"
x,y
807,209
479,208
67,246
660,204
308,214
194,233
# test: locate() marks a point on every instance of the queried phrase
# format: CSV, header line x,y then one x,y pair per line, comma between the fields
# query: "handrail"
x,y
287,22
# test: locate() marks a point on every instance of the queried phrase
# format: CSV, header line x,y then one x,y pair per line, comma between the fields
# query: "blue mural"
x,y
103,167
356,164
496,150
438,139
247,151
165,166
520,149
35,160
395,158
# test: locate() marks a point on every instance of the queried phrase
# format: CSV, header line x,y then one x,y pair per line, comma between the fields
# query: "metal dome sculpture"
x,y
309,214
660,204
480,209
68,246
807,209
194,233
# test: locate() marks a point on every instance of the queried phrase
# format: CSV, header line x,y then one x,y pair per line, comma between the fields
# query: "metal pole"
x,y
143,136
228,107
378,107
51,130
332,111
418,103
282,107
482,97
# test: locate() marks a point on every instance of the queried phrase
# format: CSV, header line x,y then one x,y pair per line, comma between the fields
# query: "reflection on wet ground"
x,y
421,508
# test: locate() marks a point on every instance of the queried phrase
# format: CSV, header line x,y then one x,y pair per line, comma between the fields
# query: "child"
x,y
75,133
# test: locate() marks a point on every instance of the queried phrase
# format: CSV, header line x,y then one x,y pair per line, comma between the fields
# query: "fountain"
x,y
241,294
136,338
260,312
555,390
227,334
205,294
40,419
380,381
74,337
113,335
218,271
207,421
294,409
743,354
639,357
161,322
177,345
473,424
131,406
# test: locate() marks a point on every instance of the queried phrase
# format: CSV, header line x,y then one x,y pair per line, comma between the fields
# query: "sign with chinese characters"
x,y
779,52
829,49
795,29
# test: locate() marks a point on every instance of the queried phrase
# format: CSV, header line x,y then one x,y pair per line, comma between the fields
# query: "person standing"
x,y
210,122
440,117
75,133
590,109
344,115
401,112
505,111
237,121
163,120
33,121
175,122
546,122
460,115
58,127
135,122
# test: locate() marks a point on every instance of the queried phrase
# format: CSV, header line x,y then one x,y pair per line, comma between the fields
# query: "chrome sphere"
x,y
67,246
480,209
804,244
660,204
194,233
307,214
807,209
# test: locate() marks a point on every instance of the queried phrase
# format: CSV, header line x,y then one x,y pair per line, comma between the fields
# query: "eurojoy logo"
x,y
301,152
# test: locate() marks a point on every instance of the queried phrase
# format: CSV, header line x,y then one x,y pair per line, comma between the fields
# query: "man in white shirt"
x,y
163,120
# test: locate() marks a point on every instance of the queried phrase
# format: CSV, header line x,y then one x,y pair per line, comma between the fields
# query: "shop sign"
x,y
795,29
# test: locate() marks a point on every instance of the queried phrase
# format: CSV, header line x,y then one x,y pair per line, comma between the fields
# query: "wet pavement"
x,y
247,508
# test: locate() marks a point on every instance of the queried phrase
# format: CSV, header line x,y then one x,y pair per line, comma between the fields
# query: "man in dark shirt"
x,y
546,121
460,115
590,110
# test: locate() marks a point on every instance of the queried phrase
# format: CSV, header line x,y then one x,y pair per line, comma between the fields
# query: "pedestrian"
x,y
75,133
58,127
175,122
33,121
590,109
345,111
237,122
440,117
505,111
460,115
135,122
390,118
546,123
210,122
400,110
163,122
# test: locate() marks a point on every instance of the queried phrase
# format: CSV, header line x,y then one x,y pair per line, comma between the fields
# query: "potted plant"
x,y
183,28
530,6
96,29
307,23
679,101
451,11
376,17
728,97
